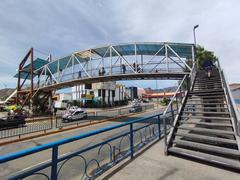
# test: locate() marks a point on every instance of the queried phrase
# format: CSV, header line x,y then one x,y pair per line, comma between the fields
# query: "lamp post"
x,y
194,34
195,43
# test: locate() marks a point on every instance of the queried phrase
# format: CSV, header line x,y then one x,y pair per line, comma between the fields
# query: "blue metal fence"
x,y
147,130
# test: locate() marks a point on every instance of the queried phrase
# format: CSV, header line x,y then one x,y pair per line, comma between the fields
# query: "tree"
x,y
202,54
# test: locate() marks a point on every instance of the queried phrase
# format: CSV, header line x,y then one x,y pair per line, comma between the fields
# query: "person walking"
x,y
123,68
208,66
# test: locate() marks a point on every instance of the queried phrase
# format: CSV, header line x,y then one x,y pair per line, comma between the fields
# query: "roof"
x,y
234,86
37,63
155,95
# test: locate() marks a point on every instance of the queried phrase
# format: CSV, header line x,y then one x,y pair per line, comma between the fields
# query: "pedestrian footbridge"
x,y
133,61
201,123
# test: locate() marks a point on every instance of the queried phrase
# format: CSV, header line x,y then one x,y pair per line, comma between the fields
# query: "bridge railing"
x,y
177,101
76,73
32,125
234,113
93,155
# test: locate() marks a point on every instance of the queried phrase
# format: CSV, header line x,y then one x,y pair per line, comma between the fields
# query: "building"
x,y
120,93
140,92
235,89
97,94
159,96
82,94
104,92
132,93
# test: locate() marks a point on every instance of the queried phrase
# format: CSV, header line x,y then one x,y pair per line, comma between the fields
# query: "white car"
x,y
74,108
74,115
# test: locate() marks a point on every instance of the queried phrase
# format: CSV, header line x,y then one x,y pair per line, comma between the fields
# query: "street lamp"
x,y
194,35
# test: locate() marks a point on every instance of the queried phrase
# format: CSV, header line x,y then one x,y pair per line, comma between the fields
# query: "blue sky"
x,y
61,27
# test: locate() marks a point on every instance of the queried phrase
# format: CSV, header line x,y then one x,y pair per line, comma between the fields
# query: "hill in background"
x,y
4,93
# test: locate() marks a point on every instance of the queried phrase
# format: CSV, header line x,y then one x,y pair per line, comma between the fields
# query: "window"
x,y
99,92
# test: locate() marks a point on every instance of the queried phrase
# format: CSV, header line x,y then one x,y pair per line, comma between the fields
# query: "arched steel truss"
x,y
126,61
108,63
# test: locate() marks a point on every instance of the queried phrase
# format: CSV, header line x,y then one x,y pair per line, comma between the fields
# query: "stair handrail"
x,y
187,78
230,100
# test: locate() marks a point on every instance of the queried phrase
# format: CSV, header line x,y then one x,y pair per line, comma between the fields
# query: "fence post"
x,y
131,141
165,134
51,122
54,163
114,154
172,114
159,127
177,103
181,95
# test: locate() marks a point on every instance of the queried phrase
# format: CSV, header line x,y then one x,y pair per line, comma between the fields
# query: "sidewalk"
x,y
153,165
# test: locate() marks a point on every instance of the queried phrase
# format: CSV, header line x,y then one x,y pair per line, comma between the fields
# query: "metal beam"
x,y
179,57
123,59
81,66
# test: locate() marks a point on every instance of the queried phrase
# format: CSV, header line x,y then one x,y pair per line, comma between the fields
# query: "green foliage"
x,y
165,101
202,54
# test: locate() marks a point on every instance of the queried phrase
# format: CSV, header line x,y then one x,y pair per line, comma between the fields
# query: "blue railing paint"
x,y
42,147
54,162
54,146
131,140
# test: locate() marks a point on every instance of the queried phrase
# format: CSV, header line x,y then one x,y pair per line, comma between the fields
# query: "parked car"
x,y
135,108
74,115
12,122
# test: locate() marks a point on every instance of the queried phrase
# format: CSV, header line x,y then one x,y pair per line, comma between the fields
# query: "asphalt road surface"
x,y
36,125
73,168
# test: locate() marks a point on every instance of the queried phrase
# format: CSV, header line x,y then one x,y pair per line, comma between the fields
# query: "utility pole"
x,y
194,34
195,41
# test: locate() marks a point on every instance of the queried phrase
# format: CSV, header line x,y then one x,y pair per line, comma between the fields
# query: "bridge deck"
x,y
117,77
152,164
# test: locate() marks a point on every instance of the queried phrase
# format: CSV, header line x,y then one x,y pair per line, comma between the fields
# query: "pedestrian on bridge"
x,y
101,71
79,74
123,68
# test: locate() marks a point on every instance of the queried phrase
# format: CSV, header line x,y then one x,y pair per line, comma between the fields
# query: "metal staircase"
x,y
206,127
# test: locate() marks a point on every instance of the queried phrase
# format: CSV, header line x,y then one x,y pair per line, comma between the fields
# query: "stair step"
x,y
216,86
205,130
206,157
208,80
208,100
207,112
203,85
206,94
207,147
209,90
206,97
207,117
207,83
207,138
205,104
204,88
206,123
206,108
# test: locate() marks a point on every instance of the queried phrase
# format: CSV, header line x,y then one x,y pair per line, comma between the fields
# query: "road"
x,y
13,166
45,123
